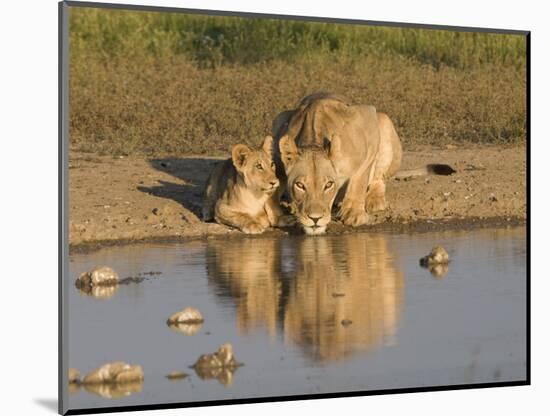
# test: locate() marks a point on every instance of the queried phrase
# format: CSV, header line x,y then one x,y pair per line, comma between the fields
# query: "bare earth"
x,y
128,199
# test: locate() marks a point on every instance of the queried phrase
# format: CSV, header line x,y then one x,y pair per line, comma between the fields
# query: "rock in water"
x,y
74,375
113,373
438,255
100,292
176,375
100,276
186,329
438,270
114,391
223,375
221,358
220,365
186,316
187,321
74,388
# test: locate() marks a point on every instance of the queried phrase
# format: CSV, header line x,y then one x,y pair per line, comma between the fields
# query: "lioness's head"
x,y
311,184
256,167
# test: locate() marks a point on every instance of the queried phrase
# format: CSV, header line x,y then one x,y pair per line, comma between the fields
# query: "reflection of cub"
x,y
338,280
248,271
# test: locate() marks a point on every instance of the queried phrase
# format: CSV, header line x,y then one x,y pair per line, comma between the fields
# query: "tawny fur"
x,y
330,152
242,191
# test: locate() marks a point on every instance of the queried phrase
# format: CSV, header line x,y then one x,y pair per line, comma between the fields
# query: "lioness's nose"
x,y
315,217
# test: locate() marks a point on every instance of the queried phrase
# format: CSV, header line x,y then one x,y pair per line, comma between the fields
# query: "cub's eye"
x,y
300,186
273,165
329,185
259,166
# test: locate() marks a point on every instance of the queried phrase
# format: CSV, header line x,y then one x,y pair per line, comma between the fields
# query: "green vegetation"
x,y
153,83
215,41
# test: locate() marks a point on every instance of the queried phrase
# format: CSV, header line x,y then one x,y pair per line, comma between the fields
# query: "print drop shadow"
x,y
48,403
192,171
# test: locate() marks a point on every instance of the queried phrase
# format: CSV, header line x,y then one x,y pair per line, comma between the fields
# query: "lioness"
x,y
329,149
242,191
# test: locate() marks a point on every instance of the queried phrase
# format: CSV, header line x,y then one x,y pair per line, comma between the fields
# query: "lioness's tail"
x,y
431,169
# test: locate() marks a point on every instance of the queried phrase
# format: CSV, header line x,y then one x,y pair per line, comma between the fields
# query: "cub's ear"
x,y
239,153
334,147
289,151
267,146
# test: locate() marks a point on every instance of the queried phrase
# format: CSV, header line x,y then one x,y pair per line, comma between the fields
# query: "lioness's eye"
x,y
300,186
259,166
329,185
273,165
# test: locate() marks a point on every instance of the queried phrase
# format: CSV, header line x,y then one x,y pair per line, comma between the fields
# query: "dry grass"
x,y
159,90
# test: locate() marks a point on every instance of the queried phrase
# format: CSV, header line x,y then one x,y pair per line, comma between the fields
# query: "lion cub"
x,y
242,192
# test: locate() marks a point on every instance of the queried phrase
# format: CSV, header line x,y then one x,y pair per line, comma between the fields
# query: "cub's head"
x,y
256,166
311,183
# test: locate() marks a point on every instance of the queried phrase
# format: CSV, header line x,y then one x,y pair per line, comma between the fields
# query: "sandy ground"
x,y
115,200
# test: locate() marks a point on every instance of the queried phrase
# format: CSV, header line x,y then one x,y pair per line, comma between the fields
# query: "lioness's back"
x,y
316,115
304,102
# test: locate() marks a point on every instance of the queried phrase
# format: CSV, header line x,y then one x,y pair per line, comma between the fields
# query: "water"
x,y
285,304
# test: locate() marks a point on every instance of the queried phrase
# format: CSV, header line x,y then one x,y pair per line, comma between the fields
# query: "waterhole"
x,y
304,315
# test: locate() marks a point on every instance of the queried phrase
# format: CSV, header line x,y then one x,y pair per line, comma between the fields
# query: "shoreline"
x,y
124,200
425,226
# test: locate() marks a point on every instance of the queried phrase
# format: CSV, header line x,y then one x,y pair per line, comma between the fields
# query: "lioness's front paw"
x,y
376,203
286,221
253,228
354,216
355,219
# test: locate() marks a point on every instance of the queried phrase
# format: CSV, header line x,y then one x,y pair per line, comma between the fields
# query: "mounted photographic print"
x,y
261,208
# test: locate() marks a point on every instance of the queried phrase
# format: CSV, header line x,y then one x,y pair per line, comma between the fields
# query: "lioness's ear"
x,y
239,153
334,147
268,145
289,151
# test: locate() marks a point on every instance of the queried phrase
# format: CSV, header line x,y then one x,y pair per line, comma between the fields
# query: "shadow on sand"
x,y
193,172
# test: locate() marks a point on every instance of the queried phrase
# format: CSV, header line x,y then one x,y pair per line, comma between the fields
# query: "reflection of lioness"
x,y
309,289
327,145
350,278
241,191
